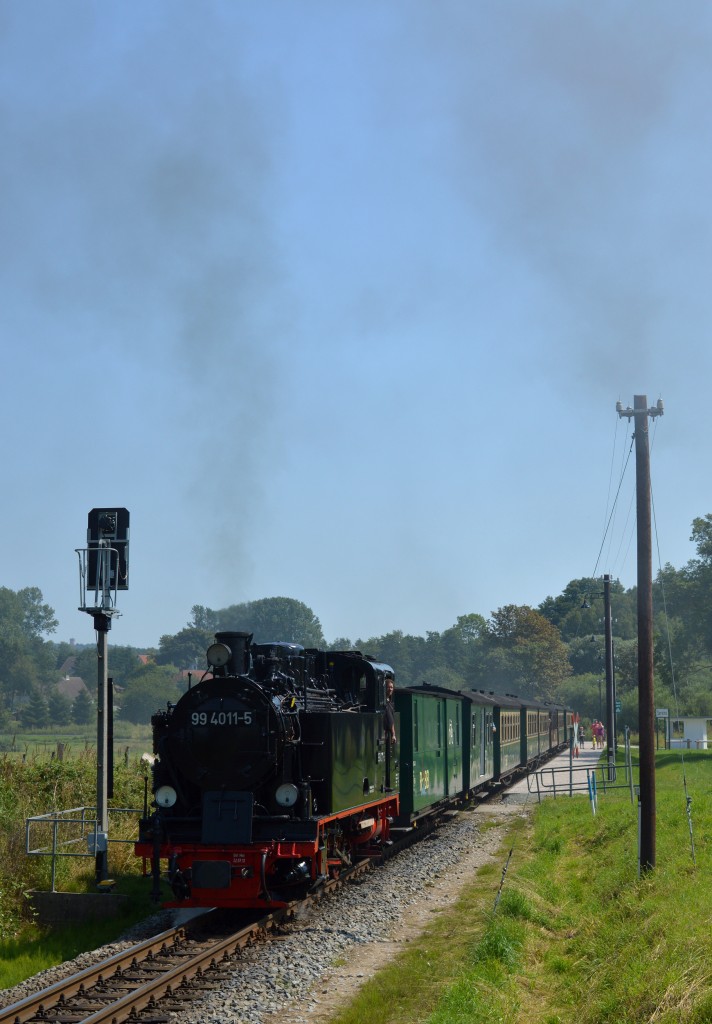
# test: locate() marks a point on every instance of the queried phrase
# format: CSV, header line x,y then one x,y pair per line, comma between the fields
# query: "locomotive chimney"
x,y
239,644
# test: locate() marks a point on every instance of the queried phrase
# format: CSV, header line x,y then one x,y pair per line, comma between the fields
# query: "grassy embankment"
x,y
42,743
32,783
577,936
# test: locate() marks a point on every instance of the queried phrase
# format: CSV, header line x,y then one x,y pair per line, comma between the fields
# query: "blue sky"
x,y
338,298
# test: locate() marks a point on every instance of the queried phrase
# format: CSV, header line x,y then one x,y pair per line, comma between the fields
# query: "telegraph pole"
x,y
610,695
646,702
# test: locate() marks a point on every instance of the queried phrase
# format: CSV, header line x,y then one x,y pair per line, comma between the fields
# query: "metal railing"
x,y
580,778
566,781
61,834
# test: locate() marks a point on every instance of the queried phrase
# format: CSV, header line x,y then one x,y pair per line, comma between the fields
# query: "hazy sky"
x,y
337,298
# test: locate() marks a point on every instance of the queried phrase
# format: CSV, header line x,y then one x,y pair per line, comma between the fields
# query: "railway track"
x,y
163,974
156,977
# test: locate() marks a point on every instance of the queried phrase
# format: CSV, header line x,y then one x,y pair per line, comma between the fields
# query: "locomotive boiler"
x,y
271,774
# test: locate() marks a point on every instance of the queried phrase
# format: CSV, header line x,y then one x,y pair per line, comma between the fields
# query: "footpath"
x,y
563,776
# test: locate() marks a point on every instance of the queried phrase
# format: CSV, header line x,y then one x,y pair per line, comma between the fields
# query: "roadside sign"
x,y
619,707
661,712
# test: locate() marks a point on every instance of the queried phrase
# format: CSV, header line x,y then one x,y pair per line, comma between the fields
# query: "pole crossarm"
x,y
655,410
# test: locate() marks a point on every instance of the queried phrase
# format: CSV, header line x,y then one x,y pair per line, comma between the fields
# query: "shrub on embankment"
x,y
36,786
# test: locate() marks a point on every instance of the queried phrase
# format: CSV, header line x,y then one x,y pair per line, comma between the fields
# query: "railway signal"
x,y
103,569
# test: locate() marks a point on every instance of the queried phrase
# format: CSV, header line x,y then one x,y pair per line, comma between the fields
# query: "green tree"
x,y
83,708
461,647
579,609
274,618
24,620
62,651
4,716
186,649
585,694
341,643
524,653
405,654
204,618
122,661
149,688
270,618
702,537
22,678
35,714
60,708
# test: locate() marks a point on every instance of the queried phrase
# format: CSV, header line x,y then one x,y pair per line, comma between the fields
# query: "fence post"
x,y
55,826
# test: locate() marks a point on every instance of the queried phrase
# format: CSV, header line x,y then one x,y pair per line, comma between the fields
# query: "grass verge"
x,y
577,935
33,949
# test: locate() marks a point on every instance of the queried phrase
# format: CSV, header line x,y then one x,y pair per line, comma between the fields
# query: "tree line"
x,y
552,652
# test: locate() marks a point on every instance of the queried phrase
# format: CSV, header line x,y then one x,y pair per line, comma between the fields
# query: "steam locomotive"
x,y
276,770
271,774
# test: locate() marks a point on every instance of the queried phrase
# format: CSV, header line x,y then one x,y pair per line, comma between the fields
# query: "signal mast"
x,y
103,569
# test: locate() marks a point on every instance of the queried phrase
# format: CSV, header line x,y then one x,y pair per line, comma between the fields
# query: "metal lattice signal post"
x,y
103,569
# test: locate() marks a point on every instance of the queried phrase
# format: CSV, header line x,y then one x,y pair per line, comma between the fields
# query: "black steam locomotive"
x,y
271,774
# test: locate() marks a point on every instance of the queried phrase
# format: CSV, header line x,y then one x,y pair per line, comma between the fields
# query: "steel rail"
x,y
166,984
47,998
42,1003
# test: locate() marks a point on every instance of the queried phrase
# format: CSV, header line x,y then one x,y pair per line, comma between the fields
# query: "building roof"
x,y
72,686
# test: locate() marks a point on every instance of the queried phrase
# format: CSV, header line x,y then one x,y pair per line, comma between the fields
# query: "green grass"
x,y
577,936
33,949
42,743
34,786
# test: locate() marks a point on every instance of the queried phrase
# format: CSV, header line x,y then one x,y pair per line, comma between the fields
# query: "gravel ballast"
x,y
333,948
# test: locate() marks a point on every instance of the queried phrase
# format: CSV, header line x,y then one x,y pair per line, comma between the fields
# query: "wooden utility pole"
x,y
646,701
610,694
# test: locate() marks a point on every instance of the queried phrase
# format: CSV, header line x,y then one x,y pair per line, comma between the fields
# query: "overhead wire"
x,y
623,463
613,509
610,512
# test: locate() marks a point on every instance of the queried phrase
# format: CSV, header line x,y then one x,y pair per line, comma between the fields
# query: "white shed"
x,y
690,733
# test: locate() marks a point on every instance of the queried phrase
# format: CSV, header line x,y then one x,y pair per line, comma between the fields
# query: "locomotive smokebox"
x,y
239,644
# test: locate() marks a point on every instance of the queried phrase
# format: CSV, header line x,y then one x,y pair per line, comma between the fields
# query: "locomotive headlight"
x,y
287,795
165,796
218,655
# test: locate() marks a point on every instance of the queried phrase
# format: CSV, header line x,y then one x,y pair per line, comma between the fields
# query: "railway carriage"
x,y
423,751
558,728
479,709
535,733
508,748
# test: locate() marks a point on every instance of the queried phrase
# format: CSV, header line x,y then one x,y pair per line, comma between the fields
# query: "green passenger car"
x,y
432,755
508,749
446,745
479,736
451,744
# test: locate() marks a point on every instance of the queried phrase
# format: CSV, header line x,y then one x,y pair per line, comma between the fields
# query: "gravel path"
x,y
333,949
